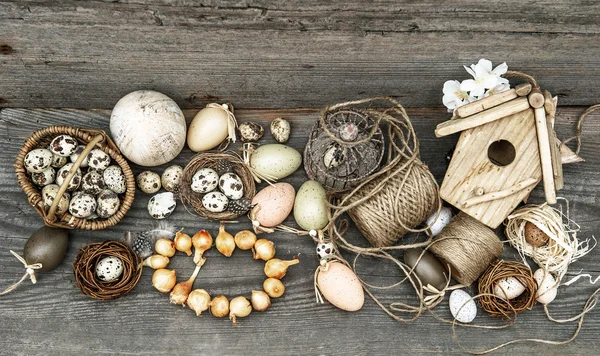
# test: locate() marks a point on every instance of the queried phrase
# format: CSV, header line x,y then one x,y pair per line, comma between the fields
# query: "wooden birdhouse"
x,y
507,145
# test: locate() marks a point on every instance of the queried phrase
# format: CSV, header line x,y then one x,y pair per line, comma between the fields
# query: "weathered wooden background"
x,y
269,58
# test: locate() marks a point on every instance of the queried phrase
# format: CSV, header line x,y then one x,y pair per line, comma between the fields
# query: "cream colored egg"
x,y
273,204
547,286
340,286
508,288
275,160
208,129
310,207
148,127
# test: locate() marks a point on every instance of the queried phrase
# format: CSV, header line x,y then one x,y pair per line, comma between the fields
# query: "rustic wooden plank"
x,y
53,318
264,55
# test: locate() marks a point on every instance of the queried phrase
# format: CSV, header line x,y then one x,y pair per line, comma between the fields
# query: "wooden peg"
x,y
523,89
554,150
549,105
485,103
478,199
536,98
545,155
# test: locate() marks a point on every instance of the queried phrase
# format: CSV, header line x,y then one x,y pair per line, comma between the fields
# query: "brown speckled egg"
x,y
82,205
38,160
43,178
148,182
215,201
114,179
231,185
58,161
62,174
534,236
340,286
49,193
63,145
171,178
108,204
273,204
280,129
98,159
250,131
92,183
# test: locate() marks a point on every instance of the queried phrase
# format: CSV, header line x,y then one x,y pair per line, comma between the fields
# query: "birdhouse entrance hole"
x,y
501,153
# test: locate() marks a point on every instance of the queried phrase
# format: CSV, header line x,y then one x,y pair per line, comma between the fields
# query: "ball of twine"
x,y
498,306
84,268
210,160
467,246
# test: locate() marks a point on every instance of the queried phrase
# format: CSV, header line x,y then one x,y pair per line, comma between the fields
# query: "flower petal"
x,y
450,86
485,65
500,69
468,85
489,81
470,71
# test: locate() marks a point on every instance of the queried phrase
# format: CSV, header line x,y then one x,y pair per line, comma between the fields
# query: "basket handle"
x,y
63,188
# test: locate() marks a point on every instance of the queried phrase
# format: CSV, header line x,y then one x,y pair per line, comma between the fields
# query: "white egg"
x,y
82,205
76,155
334,156
109,269
63,145
98,159
48,195
44,178
108,203
205,180
62,174
58,161
462,307
508,288
38,160
325,249
114,179
92,183
547,286
148,182
215,202
231,185
436,226
171,178
162,205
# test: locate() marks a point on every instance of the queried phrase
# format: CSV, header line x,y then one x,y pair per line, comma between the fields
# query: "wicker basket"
x,y
210,160
92,139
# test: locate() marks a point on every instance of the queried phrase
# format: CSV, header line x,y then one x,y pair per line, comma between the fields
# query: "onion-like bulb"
x,y
225,242
276,268
198,301
219,306
202,242
183,243
164,280
263,250
273,287
239,307
260,300
180,293
245,239
156,262
165,247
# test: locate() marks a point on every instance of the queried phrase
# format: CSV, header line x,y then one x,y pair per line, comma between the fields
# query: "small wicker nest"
x,y
210,160
499,307
84,268
98,138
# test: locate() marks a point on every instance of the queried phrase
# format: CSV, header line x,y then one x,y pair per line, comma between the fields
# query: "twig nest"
x,y
250,131
116,280
280,129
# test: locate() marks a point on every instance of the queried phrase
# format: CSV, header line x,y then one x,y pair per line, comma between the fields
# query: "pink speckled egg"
x,y
273,204
340,286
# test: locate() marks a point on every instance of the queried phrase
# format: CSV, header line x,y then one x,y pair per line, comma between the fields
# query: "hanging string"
x,y
29,273
580,121
231,123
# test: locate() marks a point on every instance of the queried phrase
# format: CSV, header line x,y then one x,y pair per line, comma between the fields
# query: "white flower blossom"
x,y
454,97
497,89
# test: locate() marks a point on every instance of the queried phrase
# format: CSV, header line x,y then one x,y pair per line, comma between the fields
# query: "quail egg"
x,y
58,161
114,179
98,159
162,205
325,249
92,183
43,178
171,178
62,174
82,205
215,202
48,195
334,156
76,155
38,160
280,129
250,131
107,203
148,182
109,269
231,185
63,145
205,180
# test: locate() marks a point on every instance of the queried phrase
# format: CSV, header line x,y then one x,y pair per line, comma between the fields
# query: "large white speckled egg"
x,y
508,288
275,160
162,205
310,207
547,286
98,159
171,178
92,183
114,179
82,205
462,307
205,180
109,269
148,127
215,201
49,194
38,160
231,185
108,203
437,225
273,204
148,182
43,178
76,155
62,174
63,145
340,286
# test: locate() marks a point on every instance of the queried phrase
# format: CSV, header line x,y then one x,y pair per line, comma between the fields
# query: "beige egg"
x,y
340,286
508,288
547,286
273,204
275,160
310,207
208,129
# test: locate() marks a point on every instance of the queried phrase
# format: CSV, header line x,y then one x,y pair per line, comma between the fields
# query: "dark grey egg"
x,y
47,246
429,270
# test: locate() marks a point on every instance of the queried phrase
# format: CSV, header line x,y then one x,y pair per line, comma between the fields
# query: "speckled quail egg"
x,y
215,202
38,160
114,179
49,193
94,216
148,182
82,205
62,174
205,180
58,161
63,145
280,129
334,156
43,178
325,249
92,183
250,131
109,269
231,185
98,159
162,205
76,155
171,178
107,203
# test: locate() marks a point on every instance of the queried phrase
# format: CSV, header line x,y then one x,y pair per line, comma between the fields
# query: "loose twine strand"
x,y
29,273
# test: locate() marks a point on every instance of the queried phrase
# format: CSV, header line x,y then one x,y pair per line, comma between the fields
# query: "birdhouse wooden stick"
x,y
567,155
485,103
523,89
554,151
497,112
527,183
545,155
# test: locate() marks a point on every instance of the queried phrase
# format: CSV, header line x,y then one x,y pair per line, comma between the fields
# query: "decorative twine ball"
x,y
84,268
148,127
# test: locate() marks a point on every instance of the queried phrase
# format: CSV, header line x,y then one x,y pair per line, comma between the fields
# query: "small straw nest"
x,y
84,268
563,247
499,306
210,160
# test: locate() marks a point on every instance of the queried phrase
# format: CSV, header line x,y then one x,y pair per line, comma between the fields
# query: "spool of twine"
x,y
467,246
